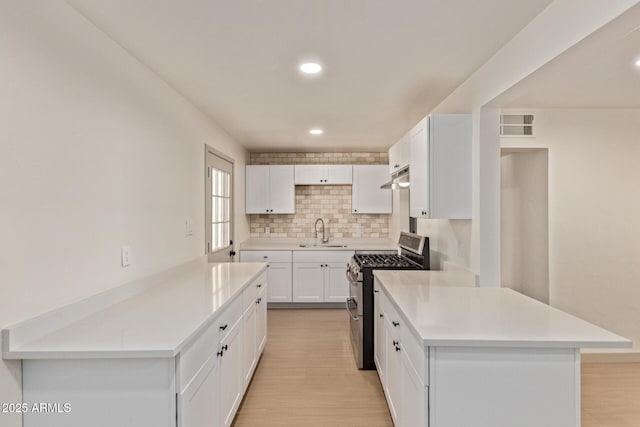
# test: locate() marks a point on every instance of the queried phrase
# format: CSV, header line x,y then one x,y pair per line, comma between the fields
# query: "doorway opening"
x,y
218,206
524,221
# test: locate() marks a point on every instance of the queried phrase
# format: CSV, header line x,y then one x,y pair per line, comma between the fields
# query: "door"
x,y
231,378
336,285
218,206
309,174
338,174
379,343
308,282
261,323
249,347
197,403
279,279
367,196
282,191
419,170
256,189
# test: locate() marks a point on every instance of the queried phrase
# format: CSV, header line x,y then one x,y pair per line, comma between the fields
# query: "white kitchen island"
x,y
452,356
176,349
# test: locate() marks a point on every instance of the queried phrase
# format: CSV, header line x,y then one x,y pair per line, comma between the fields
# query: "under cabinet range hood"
x,y
399,181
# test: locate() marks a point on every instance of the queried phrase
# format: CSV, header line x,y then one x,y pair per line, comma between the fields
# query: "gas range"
x,y
414,255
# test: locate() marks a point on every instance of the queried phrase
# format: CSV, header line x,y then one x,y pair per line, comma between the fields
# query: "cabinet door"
x,y
336,286
249,342
338,174
366,195
393,375
419,169
256,189
261,324
279,279
309,174
308,282
231,378
414,396
399,155
282,192
379,341
197,404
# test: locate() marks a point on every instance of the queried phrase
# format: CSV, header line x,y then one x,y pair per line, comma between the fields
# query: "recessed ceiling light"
x,y
316,131
311,68
638,63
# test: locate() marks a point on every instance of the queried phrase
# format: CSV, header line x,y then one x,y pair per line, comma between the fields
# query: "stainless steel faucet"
x,y
315,228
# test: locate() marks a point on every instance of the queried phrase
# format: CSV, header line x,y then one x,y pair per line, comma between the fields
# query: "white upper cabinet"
x,y
323,174
366,196
440,167
269,189
399,155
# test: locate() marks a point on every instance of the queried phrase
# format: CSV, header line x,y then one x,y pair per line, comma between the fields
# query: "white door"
x,y
279,279
379,343
282,191
393,375
338,174
336,286
219,207
261,323
367,196
256,189
197,403
249,347
309,174
231,379
414,396
419,170
308,282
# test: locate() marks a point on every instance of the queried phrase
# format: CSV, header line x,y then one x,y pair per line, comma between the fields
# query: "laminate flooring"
x,y
307,377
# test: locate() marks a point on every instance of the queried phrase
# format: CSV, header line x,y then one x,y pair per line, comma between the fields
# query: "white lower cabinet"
x,y
397,352
319,276
249,343
231,378
279,272
198,401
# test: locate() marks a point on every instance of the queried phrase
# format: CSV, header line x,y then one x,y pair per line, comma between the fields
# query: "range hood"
x,y
399,181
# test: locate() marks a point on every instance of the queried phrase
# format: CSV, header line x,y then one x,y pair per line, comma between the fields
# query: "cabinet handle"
x,y
396,324
376,291
381,315
397,348
259,285
355,210
223,327
220,353
259,300
225,347
395,343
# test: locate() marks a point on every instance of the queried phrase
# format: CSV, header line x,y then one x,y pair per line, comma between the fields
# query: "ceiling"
x,y
598,72
386,63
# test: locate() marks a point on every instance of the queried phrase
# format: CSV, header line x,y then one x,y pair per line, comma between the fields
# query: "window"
x,y
220,209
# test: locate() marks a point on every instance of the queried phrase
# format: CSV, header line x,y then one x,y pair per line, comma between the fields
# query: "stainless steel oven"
x,y
359,305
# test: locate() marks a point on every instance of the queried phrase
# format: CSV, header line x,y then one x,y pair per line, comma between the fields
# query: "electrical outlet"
x,y
126,255
267,230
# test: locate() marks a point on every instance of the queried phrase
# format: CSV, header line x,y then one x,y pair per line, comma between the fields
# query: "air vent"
x,y
516,125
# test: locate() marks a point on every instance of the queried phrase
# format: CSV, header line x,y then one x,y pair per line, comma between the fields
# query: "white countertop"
x,y
443,311
290,244
158,322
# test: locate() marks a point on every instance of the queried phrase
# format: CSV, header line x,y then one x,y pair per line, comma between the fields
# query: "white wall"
x,y
594,214
524,219
97,152
561,25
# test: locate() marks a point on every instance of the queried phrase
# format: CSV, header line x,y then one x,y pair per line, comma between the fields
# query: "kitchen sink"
x,y
322,246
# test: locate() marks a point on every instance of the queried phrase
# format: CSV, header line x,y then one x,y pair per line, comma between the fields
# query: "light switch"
x,y
188,227
126,255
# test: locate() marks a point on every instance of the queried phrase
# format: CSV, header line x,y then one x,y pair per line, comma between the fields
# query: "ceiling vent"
x,y
516,125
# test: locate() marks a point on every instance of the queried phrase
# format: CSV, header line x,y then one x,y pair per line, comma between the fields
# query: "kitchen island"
x,y
176,349
451,355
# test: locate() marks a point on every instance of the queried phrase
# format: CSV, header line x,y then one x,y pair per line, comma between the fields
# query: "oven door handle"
x,y
351,280
349,310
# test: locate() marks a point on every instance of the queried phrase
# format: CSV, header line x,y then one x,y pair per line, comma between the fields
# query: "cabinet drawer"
x,y
322,256
229,317
252,292
265,256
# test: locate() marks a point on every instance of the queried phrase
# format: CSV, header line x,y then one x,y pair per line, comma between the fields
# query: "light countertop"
x,y
291,244
158,322
444,311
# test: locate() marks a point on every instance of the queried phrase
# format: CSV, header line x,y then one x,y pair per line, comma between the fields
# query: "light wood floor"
x,y
307,377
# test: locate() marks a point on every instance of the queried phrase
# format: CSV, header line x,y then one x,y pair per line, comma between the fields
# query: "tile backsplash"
x,y
332,203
